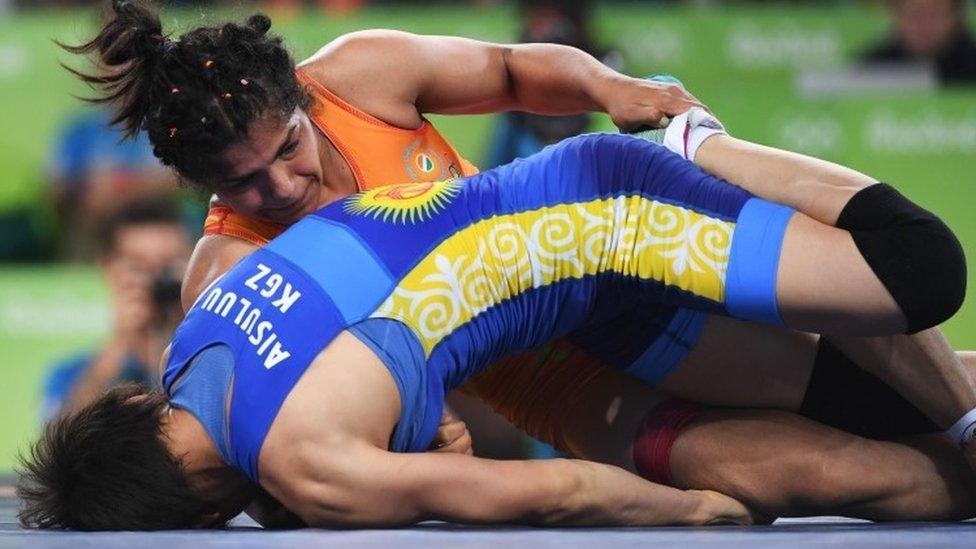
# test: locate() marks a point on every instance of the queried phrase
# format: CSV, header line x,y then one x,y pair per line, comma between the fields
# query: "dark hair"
x,y
151,210
193,96
107,468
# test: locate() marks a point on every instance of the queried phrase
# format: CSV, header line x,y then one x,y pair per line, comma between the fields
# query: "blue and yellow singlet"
x,y
442,279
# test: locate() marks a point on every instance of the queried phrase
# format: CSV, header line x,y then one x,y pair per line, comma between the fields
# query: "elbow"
x,y
507,53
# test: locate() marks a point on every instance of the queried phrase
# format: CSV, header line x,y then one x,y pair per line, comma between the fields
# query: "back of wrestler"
x,y
473,271
441,279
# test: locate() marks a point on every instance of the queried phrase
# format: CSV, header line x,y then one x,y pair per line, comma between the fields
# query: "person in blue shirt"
x,y
145,247
92,170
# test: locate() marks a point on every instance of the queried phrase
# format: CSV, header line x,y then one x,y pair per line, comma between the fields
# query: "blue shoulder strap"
x,y
275,319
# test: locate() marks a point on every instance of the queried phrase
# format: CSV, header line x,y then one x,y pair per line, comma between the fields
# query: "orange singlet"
x,y
378,154
381,154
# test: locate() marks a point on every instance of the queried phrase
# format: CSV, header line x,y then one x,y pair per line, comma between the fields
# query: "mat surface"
x,y
793,533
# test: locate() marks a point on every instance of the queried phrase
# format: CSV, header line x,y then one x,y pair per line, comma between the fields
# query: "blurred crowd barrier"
x,y
787,75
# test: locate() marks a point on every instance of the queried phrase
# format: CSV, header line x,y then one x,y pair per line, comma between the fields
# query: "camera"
x,y
165,289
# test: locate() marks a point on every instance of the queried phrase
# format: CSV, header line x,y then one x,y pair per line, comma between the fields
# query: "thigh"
x,y
745,364
823,284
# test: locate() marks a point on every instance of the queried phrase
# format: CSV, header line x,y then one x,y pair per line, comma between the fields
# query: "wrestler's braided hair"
x,y
193,96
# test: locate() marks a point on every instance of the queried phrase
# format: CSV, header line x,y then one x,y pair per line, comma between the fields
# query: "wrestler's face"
x,y
275,173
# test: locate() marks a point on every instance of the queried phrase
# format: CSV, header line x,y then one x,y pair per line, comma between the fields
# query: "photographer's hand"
x,y
133,312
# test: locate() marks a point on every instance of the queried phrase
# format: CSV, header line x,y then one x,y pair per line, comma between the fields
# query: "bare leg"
x,y
784,465
824,284
745,365
776,462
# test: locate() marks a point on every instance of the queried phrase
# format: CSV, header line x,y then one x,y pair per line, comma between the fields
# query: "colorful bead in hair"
x,y
208,63
245,81
173,132
174,91
227,95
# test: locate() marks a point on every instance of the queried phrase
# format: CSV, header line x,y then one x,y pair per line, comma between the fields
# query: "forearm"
x,y
555,79
566,492
609,496
468,490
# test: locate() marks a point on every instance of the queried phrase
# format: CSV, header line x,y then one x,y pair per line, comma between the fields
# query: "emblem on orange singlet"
x,y
407,203
421,163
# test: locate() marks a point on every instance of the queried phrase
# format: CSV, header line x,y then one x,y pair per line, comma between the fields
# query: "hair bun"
x,y
133,32
259,23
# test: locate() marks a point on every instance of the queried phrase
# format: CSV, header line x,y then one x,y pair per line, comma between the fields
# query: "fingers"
x,y
132,296
449,432
452,436
460,445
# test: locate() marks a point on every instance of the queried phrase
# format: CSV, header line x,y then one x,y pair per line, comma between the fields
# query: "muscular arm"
x,y
397,76
367,486
338,473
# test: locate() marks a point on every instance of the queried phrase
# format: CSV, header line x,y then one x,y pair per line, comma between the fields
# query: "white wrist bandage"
x,y
687,132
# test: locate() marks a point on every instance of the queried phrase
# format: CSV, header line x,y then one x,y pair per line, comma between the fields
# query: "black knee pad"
x,y
912,252
842,395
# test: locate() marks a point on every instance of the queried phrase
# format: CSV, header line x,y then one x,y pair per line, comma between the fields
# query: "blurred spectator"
x,y
145,250
930,31
92,171
519,134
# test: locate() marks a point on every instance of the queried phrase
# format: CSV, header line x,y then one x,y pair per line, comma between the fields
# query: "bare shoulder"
x,y
212,257
337,54
345,404
370,70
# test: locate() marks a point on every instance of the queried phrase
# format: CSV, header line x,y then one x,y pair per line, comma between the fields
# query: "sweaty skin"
x,y
351,370
339,474
777,463
398,77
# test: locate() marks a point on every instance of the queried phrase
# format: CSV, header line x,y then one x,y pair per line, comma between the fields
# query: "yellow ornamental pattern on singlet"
x,y
496,259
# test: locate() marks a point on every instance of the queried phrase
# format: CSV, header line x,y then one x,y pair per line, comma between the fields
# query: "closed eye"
x,y
234,185
289,149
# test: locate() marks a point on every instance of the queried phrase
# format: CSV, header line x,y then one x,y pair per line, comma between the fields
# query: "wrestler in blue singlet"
x,y
441,279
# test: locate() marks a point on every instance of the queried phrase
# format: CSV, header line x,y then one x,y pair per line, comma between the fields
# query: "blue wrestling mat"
x,y
792,533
